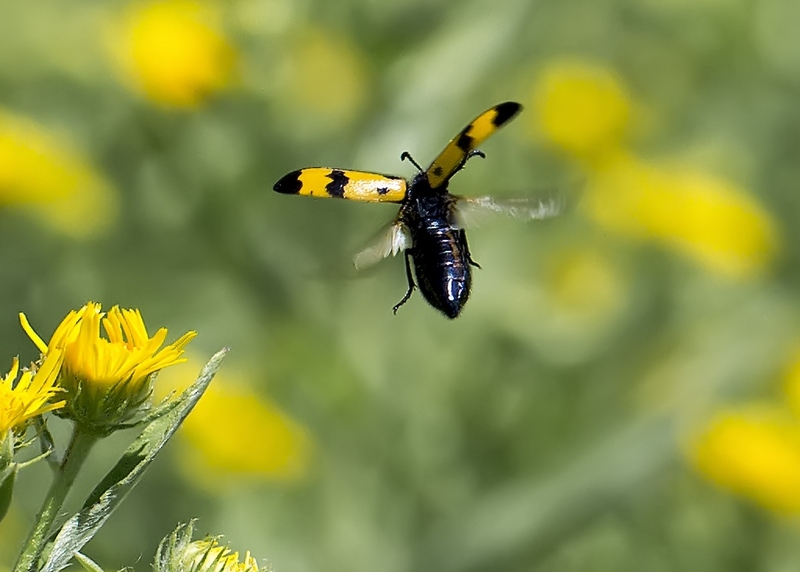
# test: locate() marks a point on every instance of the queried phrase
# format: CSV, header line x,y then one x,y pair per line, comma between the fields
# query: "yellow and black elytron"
x,y
429,228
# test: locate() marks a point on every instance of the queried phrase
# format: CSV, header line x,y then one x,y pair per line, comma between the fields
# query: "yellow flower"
x,y
210,556
177,553
31,395
173,51
107,381
234,432
704,217
755,452
581,107
62,189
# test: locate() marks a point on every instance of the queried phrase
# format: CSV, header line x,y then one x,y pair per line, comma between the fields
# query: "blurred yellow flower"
x,y
173,51
235,432
581,107
326,76
704,217
584,283
107,381
584,109
755,452
60,186
23,399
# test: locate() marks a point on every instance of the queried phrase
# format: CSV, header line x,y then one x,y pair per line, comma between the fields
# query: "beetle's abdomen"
x,y
442,266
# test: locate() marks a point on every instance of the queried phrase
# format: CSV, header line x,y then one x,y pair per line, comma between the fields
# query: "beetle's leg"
x,y
470,155
463,236
475,153
411,284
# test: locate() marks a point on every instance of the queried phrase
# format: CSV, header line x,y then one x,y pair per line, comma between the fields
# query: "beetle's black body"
x,y
438,248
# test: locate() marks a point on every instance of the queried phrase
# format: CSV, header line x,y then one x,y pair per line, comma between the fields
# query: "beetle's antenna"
x,y
406,155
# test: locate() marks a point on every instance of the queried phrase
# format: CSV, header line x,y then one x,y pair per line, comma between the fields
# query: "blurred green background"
x,y
620,393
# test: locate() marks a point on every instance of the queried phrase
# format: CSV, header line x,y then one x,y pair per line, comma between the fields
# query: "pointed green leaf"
x,y
111,491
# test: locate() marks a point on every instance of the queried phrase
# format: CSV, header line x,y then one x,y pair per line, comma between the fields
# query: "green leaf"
x,y
111,491
7,477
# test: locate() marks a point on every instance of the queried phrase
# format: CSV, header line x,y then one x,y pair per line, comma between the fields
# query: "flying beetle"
x,y
429,228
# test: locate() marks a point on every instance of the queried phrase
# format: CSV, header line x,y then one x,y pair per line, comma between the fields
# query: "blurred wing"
x,y
343,184
453,156
474,211
391,240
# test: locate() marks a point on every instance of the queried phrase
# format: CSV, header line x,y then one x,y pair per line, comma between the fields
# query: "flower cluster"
x,y
585,110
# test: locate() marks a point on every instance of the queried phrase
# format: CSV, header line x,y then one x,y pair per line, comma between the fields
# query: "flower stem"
x,y
76,453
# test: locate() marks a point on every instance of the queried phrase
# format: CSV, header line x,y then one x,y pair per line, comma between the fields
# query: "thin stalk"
x,y
76,454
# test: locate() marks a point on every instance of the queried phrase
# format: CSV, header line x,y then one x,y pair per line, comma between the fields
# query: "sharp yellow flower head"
x,y
31,395
108,380
177,553
173,51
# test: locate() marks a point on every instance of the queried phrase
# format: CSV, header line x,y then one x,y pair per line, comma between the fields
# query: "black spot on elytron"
x,y
382,190
338,182
437,171
505,112
464,141
290,184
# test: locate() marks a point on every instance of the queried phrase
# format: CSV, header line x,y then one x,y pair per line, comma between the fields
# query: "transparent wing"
x,y
475,211
391,240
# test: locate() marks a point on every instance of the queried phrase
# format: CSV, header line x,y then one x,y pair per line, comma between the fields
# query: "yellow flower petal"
x,y
210,556
30,395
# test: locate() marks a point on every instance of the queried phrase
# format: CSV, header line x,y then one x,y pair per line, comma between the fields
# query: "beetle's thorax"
x,y
421,187
423,202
